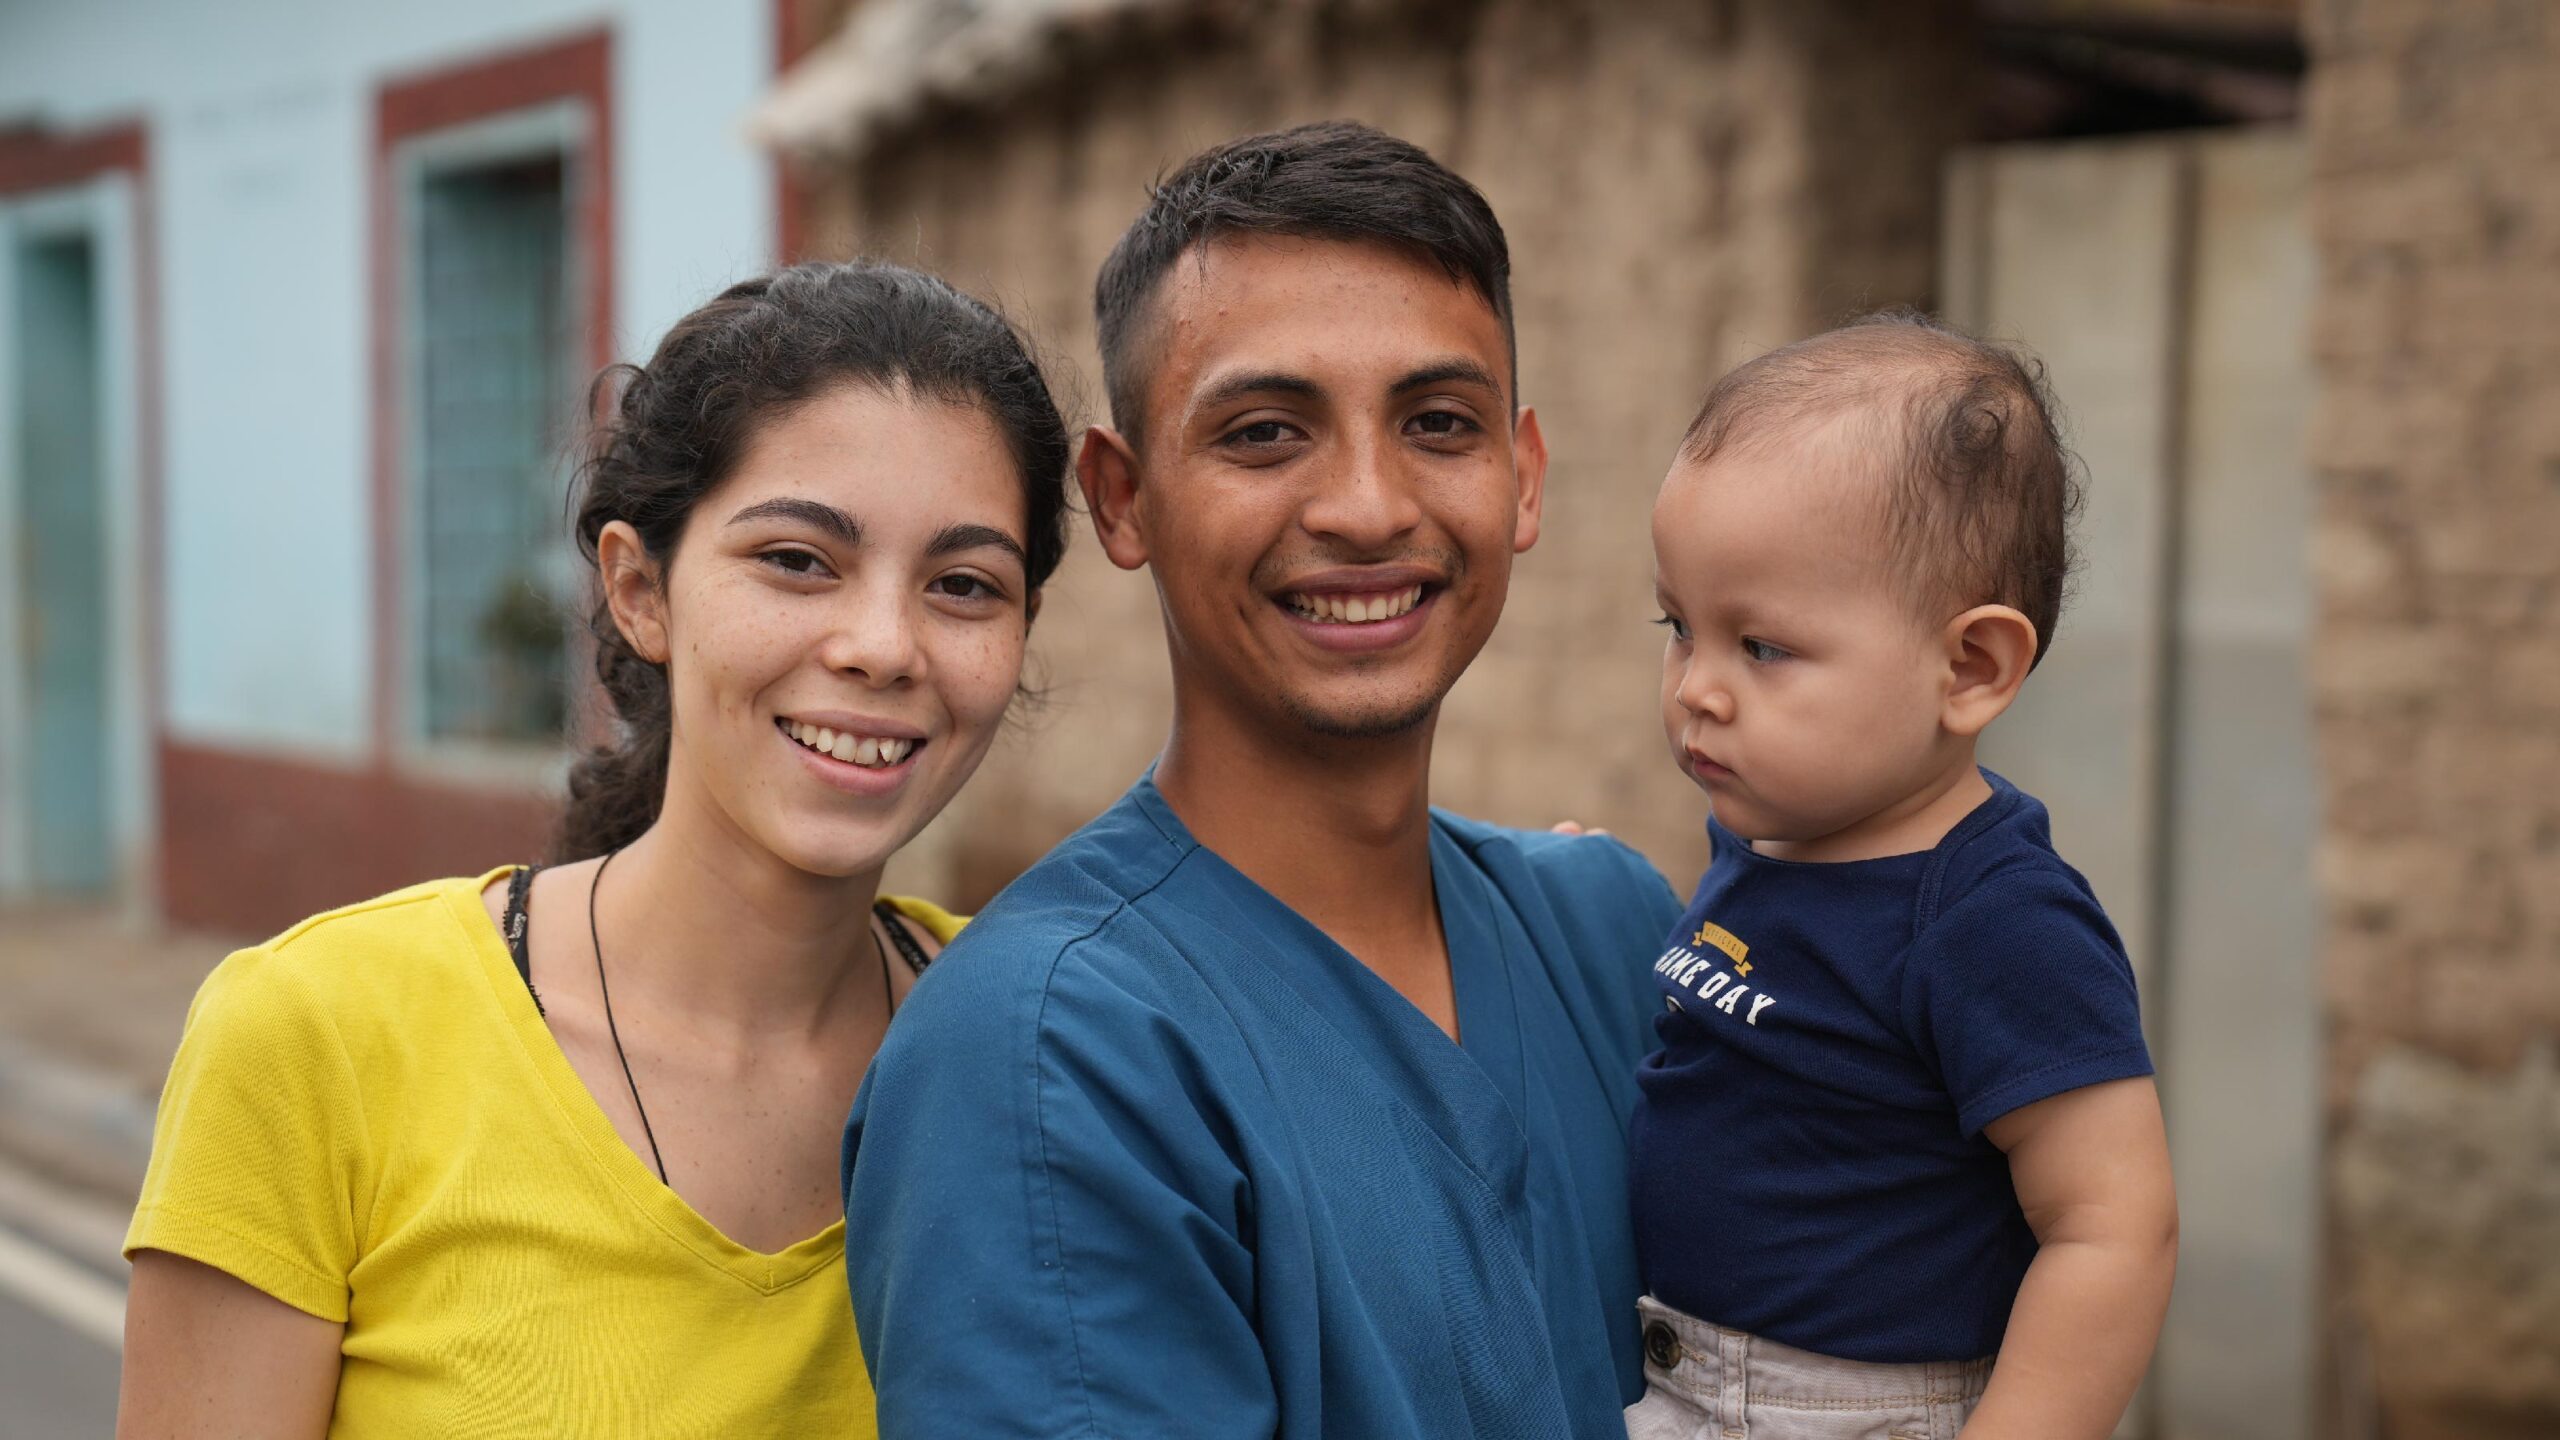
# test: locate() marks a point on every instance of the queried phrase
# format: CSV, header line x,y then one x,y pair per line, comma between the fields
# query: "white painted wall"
x,y
260,116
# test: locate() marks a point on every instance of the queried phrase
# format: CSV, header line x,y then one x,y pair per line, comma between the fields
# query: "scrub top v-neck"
x,y
1149,1154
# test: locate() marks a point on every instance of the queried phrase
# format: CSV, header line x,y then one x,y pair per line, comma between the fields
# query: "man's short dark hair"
x,y
1335,180
1980,490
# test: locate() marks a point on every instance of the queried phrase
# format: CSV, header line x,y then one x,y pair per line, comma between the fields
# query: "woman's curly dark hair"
x,y
680,423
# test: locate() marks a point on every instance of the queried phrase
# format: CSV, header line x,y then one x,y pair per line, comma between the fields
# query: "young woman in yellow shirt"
x,y
555,1153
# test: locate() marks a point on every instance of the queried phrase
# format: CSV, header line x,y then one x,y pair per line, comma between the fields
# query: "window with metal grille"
x,y
493,361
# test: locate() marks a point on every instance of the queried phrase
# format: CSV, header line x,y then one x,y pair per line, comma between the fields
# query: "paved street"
x,y
55,1383
61,1306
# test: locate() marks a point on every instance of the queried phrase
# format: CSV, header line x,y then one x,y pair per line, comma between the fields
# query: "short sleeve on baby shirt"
x,y
2020,990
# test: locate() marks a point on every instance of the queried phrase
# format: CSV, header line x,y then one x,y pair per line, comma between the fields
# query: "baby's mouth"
x,y
871,752
1341,608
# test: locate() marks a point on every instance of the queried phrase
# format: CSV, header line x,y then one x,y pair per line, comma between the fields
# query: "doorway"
x,y
2166,281
73,769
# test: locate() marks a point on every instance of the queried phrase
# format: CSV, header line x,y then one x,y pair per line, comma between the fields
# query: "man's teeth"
x,y
851,748
1357,609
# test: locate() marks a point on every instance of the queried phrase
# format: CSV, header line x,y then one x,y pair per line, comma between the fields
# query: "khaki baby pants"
x,y
1707,1383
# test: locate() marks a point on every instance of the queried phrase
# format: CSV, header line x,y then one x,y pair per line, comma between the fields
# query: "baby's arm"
x,y
2091,1167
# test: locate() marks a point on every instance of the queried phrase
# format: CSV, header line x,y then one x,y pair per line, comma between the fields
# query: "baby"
x,y
1898,1163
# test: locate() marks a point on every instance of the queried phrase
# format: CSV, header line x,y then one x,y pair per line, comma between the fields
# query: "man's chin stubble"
x,y
1379,724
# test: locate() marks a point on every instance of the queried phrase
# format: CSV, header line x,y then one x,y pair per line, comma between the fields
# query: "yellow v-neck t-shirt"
x,y
368,1120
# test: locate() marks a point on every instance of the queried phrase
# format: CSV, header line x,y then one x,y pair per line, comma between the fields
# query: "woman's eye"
x,y
1761,650
794,562
964,587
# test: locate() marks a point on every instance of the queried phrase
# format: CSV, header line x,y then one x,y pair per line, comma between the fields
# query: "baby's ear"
x,y
1989,650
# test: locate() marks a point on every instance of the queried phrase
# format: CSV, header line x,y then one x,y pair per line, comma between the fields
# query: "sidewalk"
x,y
90,1008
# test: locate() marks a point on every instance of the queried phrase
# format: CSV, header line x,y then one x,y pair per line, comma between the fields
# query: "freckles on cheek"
x,y
982,677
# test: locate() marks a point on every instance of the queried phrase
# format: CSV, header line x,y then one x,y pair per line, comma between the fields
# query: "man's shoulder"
x,y
1073,891
1555,861
1073,936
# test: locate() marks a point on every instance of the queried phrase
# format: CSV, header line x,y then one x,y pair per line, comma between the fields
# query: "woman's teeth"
x,y
1356,609
878,752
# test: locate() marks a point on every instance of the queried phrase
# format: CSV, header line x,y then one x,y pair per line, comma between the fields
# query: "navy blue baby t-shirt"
x,y
1808,1158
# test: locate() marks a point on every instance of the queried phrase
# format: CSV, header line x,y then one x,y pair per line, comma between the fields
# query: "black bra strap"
x,y
899,935
520,920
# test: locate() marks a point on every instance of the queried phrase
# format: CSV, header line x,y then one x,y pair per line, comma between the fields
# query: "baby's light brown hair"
x,y
1980,491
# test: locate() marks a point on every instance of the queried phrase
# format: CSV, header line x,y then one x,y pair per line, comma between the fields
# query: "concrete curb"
x,y
82,1124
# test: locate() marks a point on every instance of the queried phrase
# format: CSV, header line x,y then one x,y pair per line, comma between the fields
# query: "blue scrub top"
x,y
1147,1154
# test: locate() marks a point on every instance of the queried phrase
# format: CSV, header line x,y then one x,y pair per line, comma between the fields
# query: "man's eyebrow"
x,y
953,538
1462,372
1256,382
808,512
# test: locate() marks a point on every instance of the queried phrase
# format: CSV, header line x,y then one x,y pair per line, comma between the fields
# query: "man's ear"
x,y
1989,649
1529,463
632,590
1107,469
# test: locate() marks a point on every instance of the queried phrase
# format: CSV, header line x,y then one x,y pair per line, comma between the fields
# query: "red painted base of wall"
x,y
250,844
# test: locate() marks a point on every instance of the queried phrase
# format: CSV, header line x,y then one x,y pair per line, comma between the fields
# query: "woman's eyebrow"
x,y
808,512
951,538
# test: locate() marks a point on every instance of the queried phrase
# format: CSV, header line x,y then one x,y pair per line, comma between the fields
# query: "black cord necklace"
x,y
888,996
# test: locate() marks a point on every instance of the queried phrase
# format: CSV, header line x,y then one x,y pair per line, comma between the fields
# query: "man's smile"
x,y
1361,609
1354,608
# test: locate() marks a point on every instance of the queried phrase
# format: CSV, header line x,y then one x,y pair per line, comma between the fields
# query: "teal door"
x,y
62,567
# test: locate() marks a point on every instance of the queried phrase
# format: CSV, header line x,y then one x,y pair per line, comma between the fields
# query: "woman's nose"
x,y
874,636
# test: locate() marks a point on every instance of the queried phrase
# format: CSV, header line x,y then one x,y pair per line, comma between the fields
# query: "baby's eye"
x,y
1762,651
1678,630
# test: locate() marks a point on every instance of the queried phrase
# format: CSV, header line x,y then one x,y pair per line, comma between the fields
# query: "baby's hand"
x,y
1574,827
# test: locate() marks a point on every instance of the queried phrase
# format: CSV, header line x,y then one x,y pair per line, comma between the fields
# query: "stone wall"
x,y
2435,135
1684,184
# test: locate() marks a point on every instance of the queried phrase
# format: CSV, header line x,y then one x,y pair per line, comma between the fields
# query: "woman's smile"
x,y
866,757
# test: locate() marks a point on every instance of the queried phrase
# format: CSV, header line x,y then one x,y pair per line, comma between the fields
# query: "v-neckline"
x,y
576,1105
1486,1058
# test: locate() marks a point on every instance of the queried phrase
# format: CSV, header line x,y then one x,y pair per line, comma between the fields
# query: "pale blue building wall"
x,y
260,122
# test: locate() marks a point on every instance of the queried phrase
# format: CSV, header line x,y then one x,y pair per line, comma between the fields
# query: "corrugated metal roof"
x,y
893,58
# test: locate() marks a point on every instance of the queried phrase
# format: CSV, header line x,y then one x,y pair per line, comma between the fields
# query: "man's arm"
x,y
1046,1225
2091,1167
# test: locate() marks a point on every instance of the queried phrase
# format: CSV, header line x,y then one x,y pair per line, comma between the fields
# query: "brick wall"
x,y
2435,135
1684,184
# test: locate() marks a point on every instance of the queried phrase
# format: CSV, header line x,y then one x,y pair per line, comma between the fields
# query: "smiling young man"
x,y
1274,1102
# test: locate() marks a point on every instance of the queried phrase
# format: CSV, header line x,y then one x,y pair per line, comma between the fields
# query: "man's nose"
x,y
1366,499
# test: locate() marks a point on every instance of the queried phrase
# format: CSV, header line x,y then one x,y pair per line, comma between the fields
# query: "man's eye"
x,y
1262,432
1443,422
1761,650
